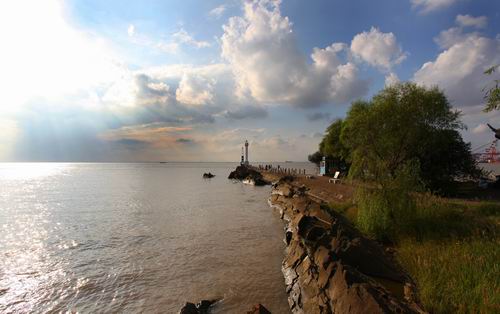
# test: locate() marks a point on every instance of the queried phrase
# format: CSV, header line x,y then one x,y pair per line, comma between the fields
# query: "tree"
x,y
492,95
405,125
332,147
315,158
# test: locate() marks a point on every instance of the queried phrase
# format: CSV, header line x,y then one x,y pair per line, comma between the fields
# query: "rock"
x,y
189,308
259,309
202,307
330,267
208,175
250,175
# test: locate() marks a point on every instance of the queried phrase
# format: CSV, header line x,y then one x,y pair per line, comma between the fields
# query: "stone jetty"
x,y
330,267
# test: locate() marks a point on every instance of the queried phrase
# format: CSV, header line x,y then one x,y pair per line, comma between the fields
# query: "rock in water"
x,y
259,309
189,308
249,175
208,175
202,307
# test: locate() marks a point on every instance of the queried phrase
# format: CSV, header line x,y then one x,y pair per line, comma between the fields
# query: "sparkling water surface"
x,y
116,237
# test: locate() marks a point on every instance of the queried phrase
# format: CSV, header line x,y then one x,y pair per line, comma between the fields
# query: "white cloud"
x,y
195,90
184,37
480,128
391,79
426,6
131,30
459,68
44,56
217,12
450,37
471,21
378,49
168,47
263,54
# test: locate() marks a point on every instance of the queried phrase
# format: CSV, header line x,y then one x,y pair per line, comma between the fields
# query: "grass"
x,y
451,248
455,276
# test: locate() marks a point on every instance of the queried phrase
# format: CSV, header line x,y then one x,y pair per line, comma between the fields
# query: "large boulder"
x,y
248,174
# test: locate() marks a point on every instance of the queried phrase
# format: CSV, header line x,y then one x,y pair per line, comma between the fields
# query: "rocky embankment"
x,y
330,267
248,175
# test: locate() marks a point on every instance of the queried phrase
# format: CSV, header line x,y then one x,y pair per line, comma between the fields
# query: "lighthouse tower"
x,y
246,153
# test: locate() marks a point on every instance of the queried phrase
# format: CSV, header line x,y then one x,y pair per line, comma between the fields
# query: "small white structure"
x,y
335,178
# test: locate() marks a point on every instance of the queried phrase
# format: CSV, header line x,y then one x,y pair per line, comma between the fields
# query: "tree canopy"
x,y
492,95
403,126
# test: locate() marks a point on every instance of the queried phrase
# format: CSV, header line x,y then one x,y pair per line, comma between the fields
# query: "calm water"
x,y
135,238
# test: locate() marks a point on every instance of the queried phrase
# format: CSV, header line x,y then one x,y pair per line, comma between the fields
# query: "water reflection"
x,y
135,238
28,170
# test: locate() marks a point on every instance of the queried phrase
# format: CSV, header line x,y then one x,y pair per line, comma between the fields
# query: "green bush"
x,y
389,208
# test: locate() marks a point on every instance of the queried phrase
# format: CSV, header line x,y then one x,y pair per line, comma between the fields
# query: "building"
x,y
244,154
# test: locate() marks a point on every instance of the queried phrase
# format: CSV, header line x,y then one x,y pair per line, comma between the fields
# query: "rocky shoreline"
x,y
330,267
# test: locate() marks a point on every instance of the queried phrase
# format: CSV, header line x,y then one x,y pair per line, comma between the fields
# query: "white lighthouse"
x,y
246,153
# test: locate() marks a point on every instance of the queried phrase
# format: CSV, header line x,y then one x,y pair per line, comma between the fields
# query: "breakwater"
x,y
330,267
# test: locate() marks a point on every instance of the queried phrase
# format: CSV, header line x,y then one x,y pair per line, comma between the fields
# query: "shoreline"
x,y
329,266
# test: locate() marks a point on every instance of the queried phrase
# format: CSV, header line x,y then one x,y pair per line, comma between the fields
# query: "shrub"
x,y
389,208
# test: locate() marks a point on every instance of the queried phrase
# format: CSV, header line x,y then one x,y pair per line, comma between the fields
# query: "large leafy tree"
x,y
492,95
332,147
403,126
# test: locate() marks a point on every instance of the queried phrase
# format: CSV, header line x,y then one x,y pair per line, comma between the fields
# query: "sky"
x,y
164,80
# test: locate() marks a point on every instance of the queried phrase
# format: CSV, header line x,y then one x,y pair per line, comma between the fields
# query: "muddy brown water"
x,y
136,238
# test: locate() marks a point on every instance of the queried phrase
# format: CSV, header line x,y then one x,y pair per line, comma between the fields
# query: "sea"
x,y
136,238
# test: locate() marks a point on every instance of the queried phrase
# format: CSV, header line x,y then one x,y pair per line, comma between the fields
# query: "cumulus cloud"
x,y
449,37
391,79
378,49
262,51
195,90
150,92
471,21
217,12
459,68
427,6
